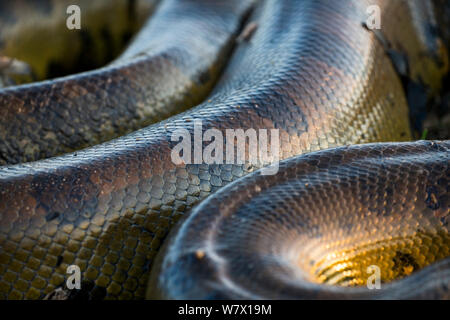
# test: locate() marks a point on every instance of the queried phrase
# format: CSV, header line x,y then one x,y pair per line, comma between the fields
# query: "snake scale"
x,y
266,241
313,70
154,78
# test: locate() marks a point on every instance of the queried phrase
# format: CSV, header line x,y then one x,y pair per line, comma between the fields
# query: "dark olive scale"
x,y
35,32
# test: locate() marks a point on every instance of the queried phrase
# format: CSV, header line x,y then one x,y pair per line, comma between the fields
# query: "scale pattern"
x,y
163,72
310,70
320,222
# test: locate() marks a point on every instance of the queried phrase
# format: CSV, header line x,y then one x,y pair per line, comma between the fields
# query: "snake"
x,y
350,193
268,241
164,71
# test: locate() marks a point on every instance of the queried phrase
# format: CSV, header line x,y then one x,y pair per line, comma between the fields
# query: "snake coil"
x,y
310,69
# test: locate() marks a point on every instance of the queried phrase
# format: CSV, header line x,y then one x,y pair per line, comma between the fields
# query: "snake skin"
x,y
165,70
310,69
36,32
317,226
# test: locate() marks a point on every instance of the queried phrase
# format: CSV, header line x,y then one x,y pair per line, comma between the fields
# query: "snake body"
x,y
36,32
164,71
311,70
317,226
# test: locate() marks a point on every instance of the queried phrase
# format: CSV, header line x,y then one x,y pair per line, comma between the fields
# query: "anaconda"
x,y
311,70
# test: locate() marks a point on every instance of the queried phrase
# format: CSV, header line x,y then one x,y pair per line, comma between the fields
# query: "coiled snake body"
x,y
311,70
